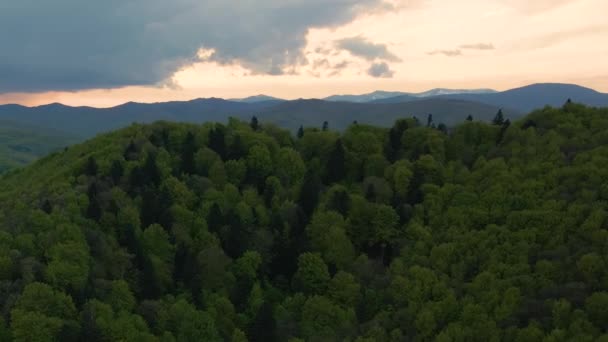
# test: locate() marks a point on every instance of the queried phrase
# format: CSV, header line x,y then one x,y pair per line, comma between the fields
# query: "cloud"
x,y
321,64
341,65
361,47
380,70
478,46
449,53
116,43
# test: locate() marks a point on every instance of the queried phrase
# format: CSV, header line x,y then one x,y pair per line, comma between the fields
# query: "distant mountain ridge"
x,y
527,98
86,121
380,95
446,107
257,98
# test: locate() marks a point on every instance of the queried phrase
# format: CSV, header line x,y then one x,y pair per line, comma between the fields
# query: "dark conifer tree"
x,y
116,171
394,139
94,208
309,193
150,172
150,207
339,202
263,326
47,207
370,193
499,119
131,151
429,120
91,167
300,132
325,126
215,219
336,166
503,129
237,149
470,118
254,124
188,151
217,140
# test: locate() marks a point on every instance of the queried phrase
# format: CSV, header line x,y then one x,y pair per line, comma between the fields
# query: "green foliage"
x,y
241,232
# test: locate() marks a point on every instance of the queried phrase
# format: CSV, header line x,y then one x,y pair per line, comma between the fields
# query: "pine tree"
x,y
217,140
499,119
131,151
470,118
237,149
370,193
336,168
116,171
255,125
47,207
309,193
150,172
300,132
395,135
215,219
325,126
429,120
91,167
188,151
94,208
503,129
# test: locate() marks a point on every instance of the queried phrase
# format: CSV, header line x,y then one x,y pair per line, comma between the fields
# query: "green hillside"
x,y
21,144
241,232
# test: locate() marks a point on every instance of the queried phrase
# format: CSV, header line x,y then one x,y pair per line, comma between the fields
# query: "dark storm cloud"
x,y
380,70
75,44
360,47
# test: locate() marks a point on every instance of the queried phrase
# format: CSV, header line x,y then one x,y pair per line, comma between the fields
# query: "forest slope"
x,y
184,232
21,144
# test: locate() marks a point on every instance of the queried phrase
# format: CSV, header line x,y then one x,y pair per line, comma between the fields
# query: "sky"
x,y
104,53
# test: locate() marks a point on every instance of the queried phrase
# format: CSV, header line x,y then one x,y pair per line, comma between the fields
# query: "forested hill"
x,y
183,232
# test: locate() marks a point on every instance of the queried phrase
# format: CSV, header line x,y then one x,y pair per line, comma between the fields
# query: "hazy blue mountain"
x,y
258,98
88,121
535,96
376,95
340,115
528,98
380,96
85,122
445,91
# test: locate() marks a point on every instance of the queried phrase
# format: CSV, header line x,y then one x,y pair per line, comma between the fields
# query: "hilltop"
x,y
243,231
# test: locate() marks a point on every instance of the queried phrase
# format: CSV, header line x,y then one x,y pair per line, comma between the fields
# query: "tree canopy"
x,y
243,232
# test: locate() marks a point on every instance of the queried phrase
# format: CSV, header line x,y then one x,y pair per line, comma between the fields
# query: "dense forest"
x,y
244,232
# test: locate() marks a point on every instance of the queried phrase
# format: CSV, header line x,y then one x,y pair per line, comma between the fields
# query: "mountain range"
x,y
380,95
525,99
379,108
